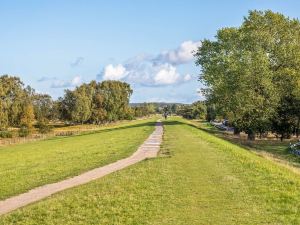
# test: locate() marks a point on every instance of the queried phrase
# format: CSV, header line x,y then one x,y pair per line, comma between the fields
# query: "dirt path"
x,y
148,149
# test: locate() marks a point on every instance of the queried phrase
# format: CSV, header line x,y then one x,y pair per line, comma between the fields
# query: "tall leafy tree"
x,y
14,99
82,108
247,69
116,96
43,107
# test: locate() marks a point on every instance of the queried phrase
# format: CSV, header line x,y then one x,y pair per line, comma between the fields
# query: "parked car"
x,y
295,148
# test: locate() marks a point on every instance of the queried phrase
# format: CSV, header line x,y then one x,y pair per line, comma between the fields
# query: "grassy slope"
x,y
202,180
271,149
25,166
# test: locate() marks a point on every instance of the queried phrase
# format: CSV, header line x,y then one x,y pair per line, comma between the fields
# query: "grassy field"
x,y
199,179
272,149
29,165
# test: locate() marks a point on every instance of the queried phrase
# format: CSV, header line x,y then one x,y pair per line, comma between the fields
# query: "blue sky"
x,y
54,45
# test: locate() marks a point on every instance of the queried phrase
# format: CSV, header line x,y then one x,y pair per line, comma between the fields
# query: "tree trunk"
x,y
251,136
236,131
298,128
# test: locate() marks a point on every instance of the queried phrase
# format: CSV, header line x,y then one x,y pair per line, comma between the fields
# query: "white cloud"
x,y
112,72
144,73
76,81
156,70
187,77
57,83
183,54
166,75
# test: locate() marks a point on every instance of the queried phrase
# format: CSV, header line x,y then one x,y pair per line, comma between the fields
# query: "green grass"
x,y
25,166
200,179
272,149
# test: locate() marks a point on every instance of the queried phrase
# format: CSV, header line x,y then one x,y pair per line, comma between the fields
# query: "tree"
x,y
15,102
27,118
82,108
144,109
197,110
247,69
116,96
286,120
43,107
65,105
11,90
96,102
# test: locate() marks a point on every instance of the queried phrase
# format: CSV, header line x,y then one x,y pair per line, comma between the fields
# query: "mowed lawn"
x,y
25,166
199,179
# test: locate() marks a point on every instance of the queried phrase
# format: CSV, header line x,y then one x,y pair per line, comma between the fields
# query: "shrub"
x,y
43,128
24,131
5,134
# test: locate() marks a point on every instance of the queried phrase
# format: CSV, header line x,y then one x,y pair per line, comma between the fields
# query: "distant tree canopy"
x,y
252,73
94,102
144,109
197,110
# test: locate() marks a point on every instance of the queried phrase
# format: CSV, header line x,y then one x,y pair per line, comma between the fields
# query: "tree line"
x,y
196,110
251,74
95,103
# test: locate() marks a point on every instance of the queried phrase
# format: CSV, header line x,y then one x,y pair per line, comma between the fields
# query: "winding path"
x,y
148,149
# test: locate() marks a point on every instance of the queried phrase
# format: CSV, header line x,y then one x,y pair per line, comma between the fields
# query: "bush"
x,y
24,131
44,128
5,134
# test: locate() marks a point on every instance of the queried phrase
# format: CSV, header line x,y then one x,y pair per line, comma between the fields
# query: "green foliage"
x,y
5,134
27,115
13,96
96,102
249,71
43,106
211,113
89,103
43,127
195,111
144,109
82,106
24,131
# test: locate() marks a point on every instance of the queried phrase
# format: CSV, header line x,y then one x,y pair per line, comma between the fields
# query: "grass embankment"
x,y
275,149
201,180
25,166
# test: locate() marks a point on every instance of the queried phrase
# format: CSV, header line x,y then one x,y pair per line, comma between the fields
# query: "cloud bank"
x,y
153,71
112,72
183,54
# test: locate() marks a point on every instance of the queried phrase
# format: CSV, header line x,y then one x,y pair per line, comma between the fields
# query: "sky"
x,y
57,45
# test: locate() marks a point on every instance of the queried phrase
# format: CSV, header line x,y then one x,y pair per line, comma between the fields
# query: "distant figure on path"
x,y
165,115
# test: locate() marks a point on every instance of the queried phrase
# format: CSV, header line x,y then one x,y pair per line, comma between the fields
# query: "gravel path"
x,y
148,149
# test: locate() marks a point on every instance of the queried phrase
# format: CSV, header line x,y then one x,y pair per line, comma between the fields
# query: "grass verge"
x,y
274,150
25,166
201,180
